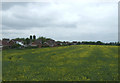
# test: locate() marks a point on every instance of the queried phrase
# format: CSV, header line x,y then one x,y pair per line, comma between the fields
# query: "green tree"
x,y
27,41
30,37
34,37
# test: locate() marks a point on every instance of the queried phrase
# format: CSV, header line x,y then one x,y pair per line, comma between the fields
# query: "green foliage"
x,y
30,37
65,63
34,37
15,46
99,43
44,39
27,41
20,39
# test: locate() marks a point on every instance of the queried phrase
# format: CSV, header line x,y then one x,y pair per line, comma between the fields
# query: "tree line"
x,y
33,38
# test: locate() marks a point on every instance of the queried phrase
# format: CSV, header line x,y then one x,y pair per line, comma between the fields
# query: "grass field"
x,y
76,63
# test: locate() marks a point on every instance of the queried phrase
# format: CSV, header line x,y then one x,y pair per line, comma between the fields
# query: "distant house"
x,y
20,42
74,43
65,43
6,43
68,43
36,43
0,42
59,43
50,43
33,44
12,42
45,44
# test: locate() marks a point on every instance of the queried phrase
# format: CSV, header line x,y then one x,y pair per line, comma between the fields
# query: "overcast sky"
x,y
69,21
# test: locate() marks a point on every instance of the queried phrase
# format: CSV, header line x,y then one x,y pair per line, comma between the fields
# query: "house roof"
x,y
8,42
50,42
38,41
5,43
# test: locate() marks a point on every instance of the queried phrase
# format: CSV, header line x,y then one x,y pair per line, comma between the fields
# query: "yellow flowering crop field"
x,y
65,63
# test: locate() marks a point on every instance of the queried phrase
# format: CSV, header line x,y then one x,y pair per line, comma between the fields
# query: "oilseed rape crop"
x,y
65,63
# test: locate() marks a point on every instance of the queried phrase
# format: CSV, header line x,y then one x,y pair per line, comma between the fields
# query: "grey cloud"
x,y
8,5
24,18
62,21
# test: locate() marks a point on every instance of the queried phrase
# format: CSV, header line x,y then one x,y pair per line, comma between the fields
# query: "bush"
x,y
16,46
